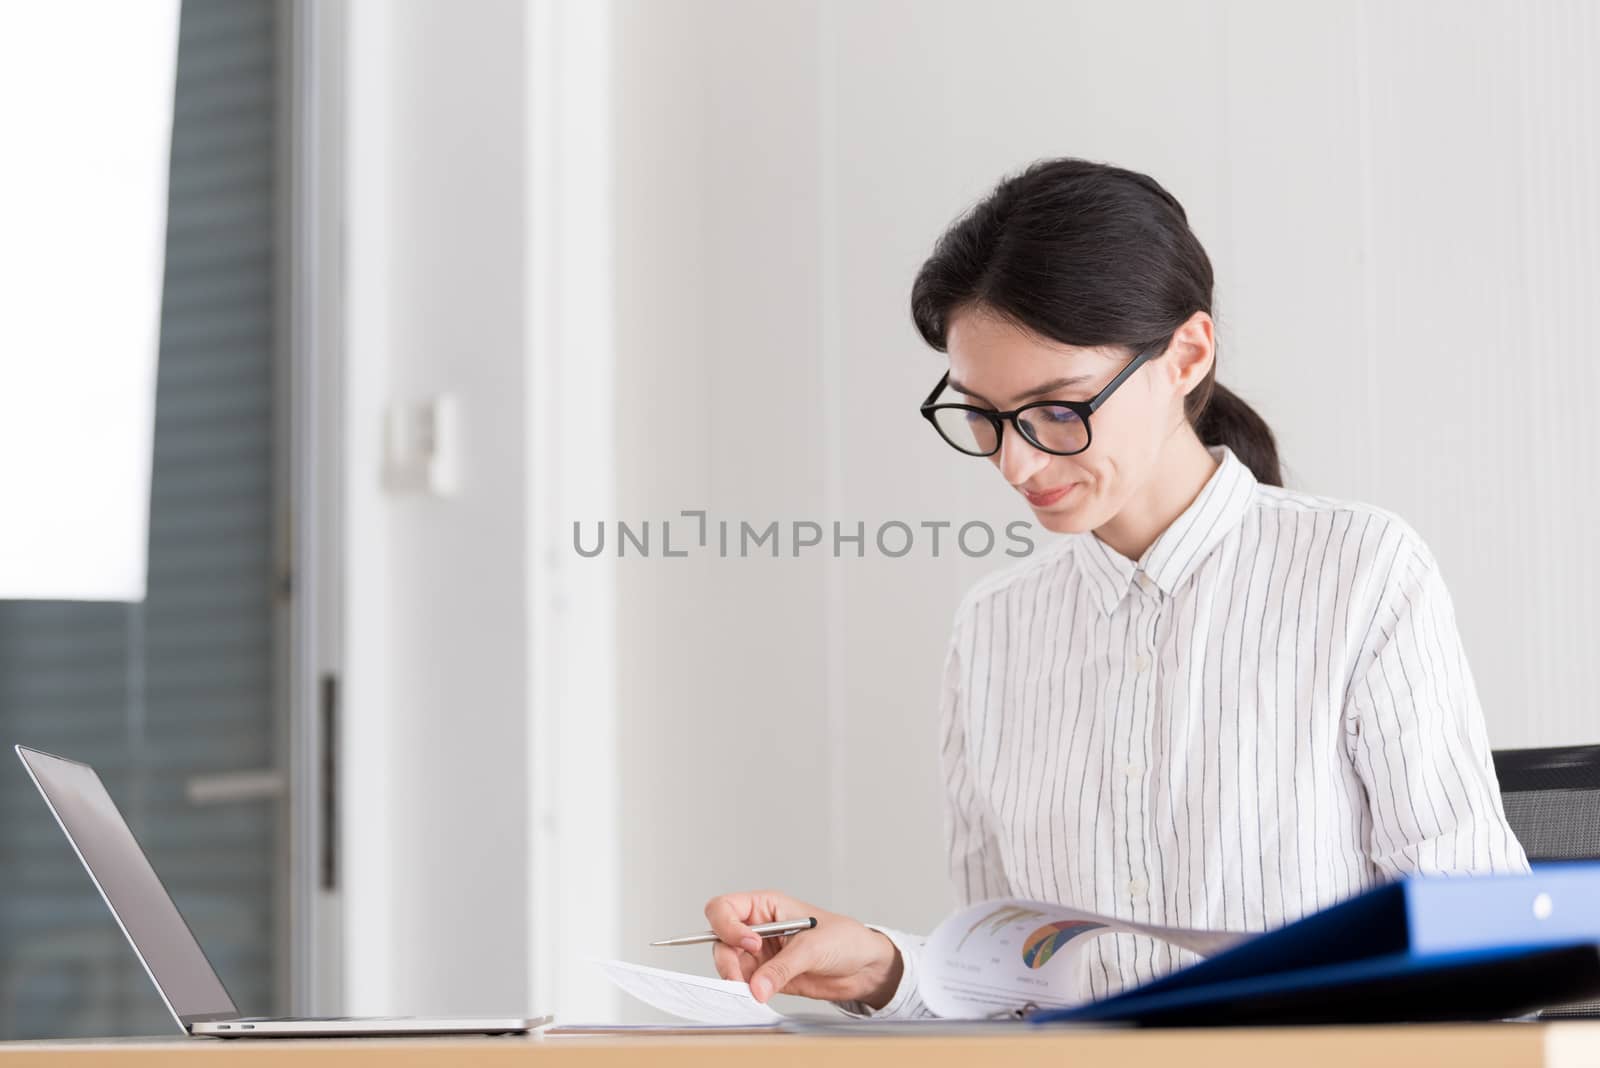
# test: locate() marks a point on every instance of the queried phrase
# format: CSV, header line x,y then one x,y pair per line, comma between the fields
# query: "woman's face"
x,y
996,364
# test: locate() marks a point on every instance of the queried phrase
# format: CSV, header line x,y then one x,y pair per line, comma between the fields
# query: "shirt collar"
x,y
1183,546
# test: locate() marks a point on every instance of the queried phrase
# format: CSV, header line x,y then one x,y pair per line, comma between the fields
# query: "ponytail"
x,y
1220,417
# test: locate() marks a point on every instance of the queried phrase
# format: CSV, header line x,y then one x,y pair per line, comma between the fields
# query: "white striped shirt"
x,y
1269,712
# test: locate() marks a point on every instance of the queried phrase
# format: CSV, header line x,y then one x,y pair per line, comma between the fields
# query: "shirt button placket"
x,y
1143,662
1131,837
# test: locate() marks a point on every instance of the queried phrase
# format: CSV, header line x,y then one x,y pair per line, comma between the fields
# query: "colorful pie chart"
x,y
1042,944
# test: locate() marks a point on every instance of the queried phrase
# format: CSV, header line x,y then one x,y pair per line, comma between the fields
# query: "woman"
x,y
1214,702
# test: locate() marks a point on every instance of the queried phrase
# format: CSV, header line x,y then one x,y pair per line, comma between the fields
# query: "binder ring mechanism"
x,y
1028,1009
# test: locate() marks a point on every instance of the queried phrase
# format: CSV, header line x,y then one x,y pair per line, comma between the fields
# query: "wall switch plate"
x,y
421,447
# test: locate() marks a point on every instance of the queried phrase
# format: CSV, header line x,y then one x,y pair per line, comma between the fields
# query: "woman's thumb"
x,y
789,963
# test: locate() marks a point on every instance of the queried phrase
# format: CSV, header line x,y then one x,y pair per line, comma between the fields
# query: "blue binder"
x,y
1420,948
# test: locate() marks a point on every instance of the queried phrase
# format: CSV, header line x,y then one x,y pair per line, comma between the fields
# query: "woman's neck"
x,y
1183,467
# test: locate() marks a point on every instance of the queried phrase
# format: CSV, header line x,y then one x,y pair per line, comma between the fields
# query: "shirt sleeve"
x,y
1416,734
974,856
906,1003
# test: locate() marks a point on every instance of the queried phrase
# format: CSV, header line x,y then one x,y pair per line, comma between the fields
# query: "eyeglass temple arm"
x,y
1122,376
936,389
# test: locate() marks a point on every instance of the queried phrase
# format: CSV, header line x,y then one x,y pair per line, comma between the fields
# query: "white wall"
x,y
478,746
434,823
1398,201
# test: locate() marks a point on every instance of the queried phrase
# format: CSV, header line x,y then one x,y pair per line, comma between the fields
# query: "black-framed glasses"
x,y
1057,427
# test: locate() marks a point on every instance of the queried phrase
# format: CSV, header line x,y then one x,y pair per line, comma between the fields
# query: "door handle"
x,y
227,787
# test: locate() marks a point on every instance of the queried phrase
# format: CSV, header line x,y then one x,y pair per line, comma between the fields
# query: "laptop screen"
x,y
130,886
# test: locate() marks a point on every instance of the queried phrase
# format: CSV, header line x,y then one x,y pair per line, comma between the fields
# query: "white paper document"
x,y
691,997
1002,955
988,959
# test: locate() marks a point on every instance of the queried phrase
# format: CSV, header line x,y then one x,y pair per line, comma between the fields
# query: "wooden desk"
x,y
1500,1045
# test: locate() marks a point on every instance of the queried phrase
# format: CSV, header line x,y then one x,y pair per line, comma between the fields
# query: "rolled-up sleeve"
x,y
1415,732
906,1004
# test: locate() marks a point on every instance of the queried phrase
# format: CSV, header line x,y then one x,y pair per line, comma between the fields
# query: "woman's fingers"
x,y
726,958
730,916
838,960
767,965
733,963
791,962
727,915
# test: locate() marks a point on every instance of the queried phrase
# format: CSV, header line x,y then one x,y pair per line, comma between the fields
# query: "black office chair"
x,y
1552,802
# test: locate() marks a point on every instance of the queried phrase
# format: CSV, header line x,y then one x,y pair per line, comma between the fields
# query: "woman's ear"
x,y
1190,353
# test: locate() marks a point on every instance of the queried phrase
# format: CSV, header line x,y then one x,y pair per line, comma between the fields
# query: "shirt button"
x,y
1132,771
1137,887
1146,583
1141,663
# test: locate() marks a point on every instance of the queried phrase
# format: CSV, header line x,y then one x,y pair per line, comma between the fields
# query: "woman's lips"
x,y
1044,500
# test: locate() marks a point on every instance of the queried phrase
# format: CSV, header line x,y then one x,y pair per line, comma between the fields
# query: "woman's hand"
x,y
839,959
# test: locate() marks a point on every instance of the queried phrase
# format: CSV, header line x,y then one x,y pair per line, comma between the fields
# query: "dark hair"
x,y
1088,254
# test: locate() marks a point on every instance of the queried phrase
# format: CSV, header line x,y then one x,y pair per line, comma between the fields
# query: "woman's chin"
x,y
1063,522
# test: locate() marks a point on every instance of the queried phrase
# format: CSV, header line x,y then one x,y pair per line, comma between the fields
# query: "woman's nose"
x,y
1018,459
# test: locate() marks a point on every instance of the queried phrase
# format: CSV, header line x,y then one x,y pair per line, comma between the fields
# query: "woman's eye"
x,y
1060,415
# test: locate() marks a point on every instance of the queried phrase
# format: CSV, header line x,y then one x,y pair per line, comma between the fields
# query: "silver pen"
x,y
765,930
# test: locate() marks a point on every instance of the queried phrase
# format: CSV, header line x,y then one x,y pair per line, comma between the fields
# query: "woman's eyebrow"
x,y
1048,387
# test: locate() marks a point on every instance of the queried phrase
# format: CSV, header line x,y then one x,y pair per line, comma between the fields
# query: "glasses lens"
x,y
1055,427
967,431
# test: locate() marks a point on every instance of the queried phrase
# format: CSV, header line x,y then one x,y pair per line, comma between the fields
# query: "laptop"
x,y
162,941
